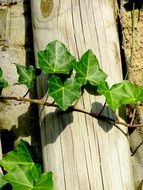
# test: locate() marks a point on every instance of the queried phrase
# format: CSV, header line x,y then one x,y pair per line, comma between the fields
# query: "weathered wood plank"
x,y
5,27
83,153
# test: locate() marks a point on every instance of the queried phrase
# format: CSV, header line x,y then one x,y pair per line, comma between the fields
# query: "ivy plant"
x,y
26,75
67,78
23,171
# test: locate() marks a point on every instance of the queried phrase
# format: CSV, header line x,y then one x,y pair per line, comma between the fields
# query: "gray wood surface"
x,y
82,153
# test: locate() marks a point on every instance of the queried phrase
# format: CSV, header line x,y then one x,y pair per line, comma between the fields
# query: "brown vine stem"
x,y
72,108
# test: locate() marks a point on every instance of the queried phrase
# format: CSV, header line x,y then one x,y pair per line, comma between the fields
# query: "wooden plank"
x,y
5,27
82,153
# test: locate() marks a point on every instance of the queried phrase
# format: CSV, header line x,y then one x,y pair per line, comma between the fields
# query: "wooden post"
x,y
82,153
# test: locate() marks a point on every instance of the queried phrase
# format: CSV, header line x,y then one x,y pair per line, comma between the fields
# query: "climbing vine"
x,y
68,78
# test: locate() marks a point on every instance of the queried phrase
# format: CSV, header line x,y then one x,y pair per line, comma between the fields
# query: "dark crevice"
x,y
120,35
136,4
30,60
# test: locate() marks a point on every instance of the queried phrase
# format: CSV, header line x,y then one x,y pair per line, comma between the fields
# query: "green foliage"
x,y
56,59
3,83
121,94
58,62
23,172
2,181
26,75
64,94
88,70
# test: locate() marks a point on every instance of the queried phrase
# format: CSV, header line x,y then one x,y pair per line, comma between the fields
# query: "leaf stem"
x,y
72,108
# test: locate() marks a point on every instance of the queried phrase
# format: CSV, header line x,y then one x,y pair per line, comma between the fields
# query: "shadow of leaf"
x,y
53,124
105,125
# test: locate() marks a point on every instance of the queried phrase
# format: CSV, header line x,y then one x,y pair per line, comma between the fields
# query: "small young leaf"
x,y
22,156
121,94
132,93
26,75
45,182
64,94
113,95
88,69
3,83
56,59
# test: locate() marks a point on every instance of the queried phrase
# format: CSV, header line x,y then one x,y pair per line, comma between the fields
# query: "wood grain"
x,y
83,153
5,27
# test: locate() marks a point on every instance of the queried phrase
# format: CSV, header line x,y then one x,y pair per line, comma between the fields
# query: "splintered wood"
x,y
82,153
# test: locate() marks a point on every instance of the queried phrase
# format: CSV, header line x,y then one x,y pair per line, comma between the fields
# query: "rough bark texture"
x,y
83,153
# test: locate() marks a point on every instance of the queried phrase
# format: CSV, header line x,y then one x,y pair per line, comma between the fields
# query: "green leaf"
x,y
113,95
56,59
121,94
64,94
23,173
2,181
26,75
132,93
22,156
3,83
20,178
88,70
1,73
45,182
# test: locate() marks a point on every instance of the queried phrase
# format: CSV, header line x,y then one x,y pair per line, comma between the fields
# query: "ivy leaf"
x,y
64,94
56,59
3,83
23,173
26,75
45,182
88,70
2,181
1,73
133,93
22,156
113,95
121,94
20,178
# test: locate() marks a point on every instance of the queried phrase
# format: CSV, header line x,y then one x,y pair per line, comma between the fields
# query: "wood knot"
x,y
46,7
